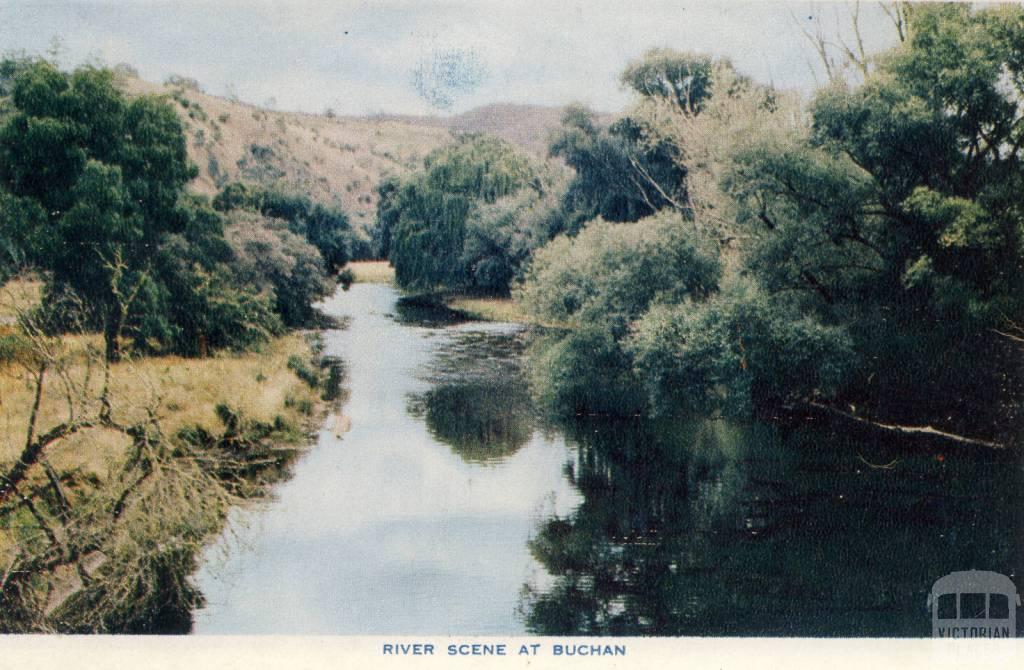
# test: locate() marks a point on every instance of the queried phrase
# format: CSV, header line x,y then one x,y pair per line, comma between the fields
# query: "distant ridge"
x,y
336,160
527,126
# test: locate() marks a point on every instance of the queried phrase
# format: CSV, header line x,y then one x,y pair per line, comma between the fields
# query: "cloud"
x,y
319,52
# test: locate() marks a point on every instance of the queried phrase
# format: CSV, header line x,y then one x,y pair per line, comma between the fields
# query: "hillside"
x,y
527,126
335,160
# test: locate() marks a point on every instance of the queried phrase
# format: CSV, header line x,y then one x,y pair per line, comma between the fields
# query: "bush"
x,y
326,228
584,371
740,352
268,255
610,273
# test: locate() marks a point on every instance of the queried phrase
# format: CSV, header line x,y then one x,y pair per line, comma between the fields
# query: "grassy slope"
x,y
335,161
257,384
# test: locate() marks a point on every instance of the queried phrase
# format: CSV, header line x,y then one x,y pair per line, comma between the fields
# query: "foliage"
x,y
501,236
597,285
704,143
683,79
268,255
326,228
609,274
387,216
427,223
741,351
584,371
899,213
106,171
619,177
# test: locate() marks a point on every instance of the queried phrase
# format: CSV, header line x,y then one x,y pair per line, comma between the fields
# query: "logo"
x,y
974,603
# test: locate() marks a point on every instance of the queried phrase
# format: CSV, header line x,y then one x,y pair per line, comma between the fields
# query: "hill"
x,y
527,126
336,160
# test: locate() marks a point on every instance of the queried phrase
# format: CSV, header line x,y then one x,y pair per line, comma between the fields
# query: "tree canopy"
x,y
92,193
106,173
429,224
872,249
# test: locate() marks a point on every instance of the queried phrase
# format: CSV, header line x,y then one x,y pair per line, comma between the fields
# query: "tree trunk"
x,y
111,333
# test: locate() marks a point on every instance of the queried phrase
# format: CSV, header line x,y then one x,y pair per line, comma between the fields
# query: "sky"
x,y
420,57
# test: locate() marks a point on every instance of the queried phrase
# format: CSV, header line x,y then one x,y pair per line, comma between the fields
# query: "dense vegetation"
x,y
872,254
469,219
118,468
92,195
724,250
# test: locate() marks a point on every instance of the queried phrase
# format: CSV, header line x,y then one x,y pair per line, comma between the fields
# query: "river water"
x,y
451,506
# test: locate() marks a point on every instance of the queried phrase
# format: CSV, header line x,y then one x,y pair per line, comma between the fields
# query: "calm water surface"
x,y
451,507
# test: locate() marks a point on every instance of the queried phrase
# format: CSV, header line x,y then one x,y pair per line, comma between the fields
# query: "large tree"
x,y
427,217
622,174
97,178
900,216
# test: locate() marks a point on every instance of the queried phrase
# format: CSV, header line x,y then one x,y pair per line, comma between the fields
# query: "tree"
x,y
268,255
428,215
684,79
594,287
326,228
899,214
742,352
107,172
387,216
620,176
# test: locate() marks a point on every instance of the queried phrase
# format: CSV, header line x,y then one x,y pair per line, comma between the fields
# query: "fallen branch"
x,y
924,431
34,450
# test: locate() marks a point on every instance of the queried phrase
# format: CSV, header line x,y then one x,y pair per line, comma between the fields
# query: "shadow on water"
x,y
478,402
707,528
426,312
481,422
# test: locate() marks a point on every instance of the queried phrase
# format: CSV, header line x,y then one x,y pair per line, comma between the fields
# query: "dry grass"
x,y
257,385
187,391
333,160
18,295
490,309
183,392
372,272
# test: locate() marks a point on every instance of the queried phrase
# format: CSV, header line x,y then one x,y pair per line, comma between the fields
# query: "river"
x,y
451,506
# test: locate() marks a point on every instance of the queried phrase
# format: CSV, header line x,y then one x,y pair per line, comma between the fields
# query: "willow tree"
x,y
899,214
430,211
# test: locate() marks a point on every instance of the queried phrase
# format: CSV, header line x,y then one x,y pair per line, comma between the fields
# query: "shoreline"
x,y
92,556
474,308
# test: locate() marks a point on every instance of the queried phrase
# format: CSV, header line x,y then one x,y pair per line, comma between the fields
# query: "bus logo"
x,y
974,603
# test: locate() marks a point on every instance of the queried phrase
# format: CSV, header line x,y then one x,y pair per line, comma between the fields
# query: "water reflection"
x,y
478,401
451,507
706,528
407,523
481,422
426,312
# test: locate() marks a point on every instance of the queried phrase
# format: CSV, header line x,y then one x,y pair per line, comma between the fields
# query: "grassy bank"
x,y
104,528
372,272
488,309
482,309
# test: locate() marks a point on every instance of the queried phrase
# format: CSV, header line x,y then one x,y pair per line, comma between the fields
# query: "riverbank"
x,y
504,310
103,529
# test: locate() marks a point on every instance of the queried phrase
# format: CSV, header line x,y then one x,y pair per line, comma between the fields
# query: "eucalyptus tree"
x,y
96,178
